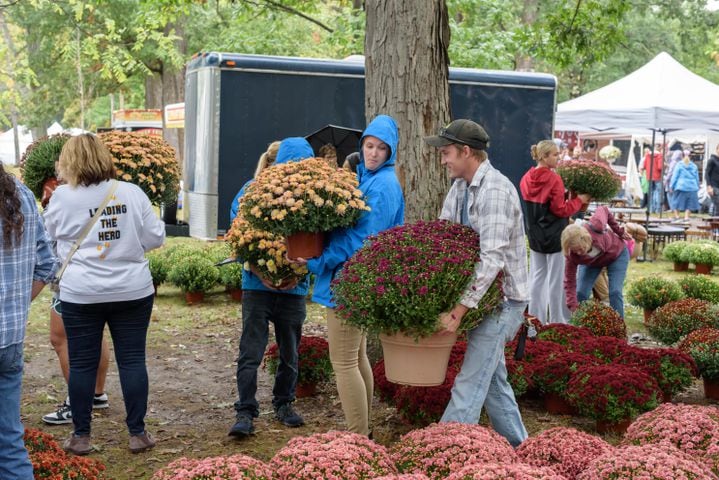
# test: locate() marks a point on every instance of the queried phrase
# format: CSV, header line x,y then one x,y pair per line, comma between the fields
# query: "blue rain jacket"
x,y
685,178
384,197
293,148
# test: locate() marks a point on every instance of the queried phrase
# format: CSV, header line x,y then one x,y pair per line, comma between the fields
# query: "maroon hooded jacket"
x,y
546,211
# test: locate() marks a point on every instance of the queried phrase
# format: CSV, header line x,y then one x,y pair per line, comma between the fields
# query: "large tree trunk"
x,y
523,62
406,71
153,90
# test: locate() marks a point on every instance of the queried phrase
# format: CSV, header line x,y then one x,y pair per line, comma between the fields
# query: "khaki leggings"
x,y
355,385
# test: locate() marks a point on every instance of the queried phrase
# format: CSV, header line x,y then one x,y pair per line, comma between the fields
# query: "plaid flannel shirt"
x,y
21,264
496,215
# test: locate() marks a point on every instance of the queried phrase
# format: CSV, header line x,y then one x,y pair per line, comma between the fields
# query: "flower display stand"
x,y
620,427
194,297
711,389
305,244
420,363
557,405
304,390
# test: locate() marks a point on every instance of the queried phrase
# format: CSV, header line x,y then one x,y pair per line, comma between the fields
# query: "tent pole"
x,y
664,157
651,191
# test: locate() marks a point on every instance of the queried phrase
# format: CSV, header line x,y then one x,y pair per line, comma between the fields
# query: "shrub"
x,y
335,455
233,467
194,274
646,462
440,448
403,278
676,319
674,252
651,293
147,161
601,319
304,196
160,266
598,180
38,161
673,370
502,471
702,253
314,360
566,450
612,393
703,346
231,275
700,287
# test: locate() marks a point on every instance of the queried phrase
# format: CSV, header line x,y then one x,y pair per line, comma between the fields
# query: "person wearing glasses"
x,y
485,200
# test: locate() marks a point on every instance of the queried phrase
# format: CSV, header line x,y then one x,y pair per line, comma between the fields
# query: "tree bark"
x,y
406,77
153,90
523,62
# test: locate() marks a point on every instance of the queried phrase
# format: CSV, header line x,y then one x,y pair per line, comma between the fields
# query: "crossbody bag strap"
x,y
86,230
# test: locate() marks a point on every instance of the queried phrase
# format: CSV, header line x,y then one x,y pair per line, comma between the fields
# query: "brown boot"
x,y
77,445
142,442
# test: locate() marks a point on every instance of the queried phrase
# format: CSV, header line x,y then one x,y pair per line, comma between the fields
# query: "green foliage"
x,y
231,275
700,287
702,253
38,161
194,274
179,252
651,293
672,321
674,251
218,251
159,265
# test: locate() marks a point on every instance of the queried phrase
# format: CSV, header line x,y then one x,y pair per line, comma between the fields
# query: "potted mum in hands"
x,y
593,178
38,164
399,283
314,364
297,198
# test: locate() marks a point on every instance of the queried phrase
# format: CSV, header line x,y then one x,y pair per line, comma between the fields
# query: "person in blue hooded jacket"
x,y
262,303
348,345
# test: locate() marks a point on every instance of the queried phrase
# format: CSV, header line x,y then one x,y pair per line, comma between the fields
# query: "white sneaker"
x,y
62,416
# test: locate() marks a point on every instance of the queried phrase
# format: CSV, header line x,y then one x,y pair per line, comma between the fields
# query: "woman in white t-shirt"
x,y
107,281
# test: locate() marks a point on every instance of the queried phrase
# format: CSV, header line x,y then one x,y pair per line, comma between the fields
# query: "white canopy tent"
x,y
660,96
7,145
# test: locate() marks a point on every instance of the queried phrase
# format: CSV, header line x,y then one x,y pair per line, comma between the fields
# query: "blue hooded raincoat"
x,y
384,197
293,148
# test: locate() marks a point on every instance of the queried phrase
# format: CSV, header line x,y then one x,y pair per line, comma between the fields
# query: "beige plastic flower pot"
x,y
421,363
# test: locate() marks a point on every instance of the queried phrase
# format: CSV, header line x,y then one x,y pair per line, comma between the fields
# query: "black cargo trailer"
x,y
235,105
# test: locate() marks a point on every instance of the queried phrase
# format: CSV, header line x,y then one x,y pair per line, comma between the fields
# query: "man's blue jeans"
x,y
656,201
483,378
14,461
128,322
616,272
287,313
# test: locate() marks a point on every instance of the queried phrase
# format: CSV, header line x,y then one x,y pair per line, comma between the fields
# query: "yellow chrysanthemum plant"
x,y
304,196
263,250
147,161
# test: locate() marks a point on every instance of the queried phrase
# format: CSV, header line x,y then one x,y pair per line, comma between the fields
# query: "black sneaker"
x,y
287,416
61,416
243,427
100,401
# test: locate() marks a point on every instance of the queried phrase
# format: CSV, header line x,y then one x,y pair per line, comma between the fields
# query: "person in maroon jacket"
x,y
588,248
547,213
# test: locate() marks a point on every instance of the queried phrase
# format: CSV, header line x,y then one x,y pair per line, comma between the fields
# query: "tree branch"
x,y
574,17
278,5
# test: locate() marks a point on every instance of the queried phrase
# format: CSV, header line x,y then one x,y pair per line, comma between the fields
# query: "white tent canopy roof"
x,y
661,95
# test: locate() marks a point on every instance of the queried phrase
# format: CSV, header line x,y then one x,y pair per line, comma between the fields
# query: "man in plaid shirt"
x,y
26,265
485,200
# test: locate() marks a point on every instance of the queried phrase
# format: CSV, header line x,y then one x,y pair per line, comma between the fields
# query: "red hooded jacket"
x,y
546,211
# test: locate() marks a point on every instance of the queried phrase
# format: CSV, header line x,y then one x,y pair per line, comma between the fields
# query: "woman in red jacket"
x,y
547,214
590,247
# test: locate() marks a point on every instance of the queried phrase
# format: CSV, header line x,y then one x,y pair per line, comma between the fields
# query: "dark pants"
x,y
128,322
287,313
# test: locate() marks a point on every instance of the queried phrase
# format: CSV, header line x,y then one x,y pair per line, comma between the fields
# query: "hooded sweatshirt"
x,y
293,148
384,197
547,212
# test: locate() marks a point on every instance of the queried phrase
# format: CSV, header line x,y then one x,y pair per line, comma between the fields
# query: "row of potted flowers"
x,y
673,441
704,254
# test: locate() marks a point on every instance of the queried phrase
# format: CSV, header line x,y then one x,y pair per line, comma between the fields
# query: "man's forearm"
x,y
37,287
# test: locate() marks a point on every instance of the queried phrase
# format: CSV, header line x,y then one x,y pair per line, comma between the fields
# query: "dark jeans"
x,y
128,322
287,312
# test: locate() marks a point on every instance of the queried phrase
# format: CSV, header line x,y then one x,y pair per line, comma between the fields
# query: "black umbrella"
x,y
345,140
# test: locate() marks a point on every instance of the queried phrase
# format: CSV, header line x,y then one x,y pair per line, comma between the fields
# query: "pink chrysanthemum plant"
x,y
503,471
332,456
233,467
304,196
693,429
647,462
404,476
566,450
403,278
444,448
673,370
612,393
598,180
